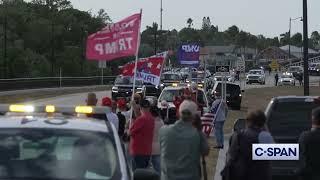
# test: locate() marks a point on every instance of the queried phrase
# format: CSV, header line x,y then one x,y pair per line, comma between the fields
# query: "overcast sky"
x,y
267,17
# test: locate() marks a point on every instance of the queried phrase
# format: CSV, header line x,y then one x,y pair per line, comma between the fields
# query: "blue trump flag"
x,y
189,54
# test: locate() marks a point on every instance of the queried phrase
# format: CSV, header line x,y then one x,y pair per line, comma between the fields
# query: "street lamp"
x,y
161,10
301,19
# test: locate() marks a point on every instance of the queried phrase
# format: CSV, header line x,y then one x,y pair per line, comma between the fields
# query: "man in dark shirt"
x,y
310,149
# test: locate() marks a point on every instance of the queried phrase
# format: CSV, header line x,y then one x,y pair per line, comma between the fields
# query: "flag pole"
x,y
135,68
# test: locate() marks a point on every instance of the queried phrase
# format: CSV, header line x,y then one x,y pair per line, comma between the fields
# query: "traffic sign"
x,y
274,65
102,64
241,65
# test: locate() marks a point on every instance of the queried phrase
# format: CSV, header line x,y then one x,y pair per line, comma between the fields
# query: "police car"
x,y
49,142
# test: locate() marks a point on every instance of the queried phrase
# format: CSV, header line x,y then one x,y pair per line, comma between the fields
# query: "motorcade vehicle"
x,y
152,90
296,71
286,79
203,79
62,142
233,94
123,86
166,99
287,118
314,69
256,76
170,79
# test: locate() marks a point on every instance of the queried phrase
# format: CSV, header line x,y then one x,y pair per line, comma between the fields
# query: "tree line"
x,y
40,37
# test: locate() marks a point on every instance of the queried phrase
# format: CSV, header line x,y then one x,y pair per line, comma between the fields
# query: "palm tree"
x,y
190,22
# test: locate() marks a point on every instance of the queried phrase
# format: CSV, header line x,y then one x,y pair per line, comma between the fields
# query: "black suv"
x,y
287,118
123,85
234,96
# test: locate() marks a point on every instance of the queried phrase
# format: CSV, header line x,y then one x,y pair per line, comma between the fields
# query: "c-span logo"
x,y
275,152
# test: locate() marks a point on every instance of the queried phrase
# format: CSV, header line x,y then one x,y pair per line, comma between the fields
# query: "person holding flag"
x,y
220,109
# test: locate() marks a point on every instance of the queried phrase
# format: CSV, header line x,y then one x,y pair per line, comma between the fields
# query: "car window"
x,y
57,154
286,76
168,95
295,117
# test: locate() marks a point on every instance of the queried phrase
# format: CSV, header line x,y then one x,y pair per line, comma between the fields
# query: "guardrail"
x,y
300,63
53,82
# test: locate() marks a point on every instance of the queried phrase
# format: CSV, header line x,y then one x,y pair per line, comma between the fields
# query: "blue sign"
x,y
189,54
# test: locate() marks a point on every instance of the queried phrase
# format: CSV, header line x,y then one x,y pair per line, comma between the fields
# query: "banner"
x,y
148,69
115,40
189,54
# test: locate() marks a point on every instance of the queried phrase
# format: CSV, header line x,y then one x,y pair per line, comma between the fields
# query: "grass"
x,y
253,99
41,94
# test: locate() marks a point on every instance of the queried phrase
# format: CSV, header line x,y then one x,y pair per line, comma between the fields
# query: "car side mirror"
x,y
145,174
243,91
239,125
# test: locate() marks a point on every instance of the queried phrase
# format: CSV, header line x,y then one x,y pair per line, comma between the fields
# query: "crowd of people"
x,y
175,151
178,147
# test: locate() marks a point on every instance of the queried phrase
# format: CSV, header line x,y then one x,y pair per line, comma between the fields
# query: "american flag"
x,y
208,119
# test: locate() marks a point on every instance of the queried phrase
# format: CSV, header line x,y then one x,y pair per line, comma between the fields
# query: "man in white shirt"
x,y
111,116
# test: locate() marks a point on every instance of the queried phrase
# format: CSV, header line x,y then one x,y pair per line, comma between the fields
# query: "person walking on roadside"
x,y
309,143
220,109
141,137
239,164
111,116
182,146
300,79
158,123
276,78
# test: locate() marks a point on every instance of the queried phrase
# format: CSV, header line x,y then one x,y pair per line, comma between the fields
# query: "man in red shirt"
x,y
141,133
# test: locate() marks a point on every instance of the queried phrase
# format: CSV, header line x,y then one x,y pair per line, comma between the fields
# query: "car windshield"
x,y
286,76
295,117
201,75
255,72
168,95
174,77
57,154
126,81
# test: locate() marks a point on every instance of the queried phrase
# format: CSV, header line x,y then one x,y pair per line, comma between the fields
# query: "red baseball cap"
x,y
106,101
121,103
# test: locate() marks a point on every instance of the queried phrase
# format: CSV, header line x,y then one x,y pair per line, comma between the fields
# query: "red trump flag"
x,y
148,69
115,40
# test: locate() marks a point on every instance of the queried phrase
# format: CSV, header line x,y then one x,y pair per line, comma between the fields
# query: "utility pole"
x,y
161,11
305,47
289,42
5,27
155,39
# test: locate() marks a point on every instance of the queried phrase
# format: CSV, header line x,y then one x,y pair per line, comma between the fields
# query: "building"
x,y
225,55
281,55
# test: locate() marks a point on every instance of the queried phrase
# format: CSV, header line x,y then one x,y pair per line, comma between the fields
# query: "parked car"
x,y
256,76
296,71
286,79
287,118
123,85
233,95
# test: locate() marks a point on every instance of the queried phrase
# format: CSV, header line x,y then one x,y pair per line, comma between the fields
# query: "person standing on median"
x,y
182,146
220,109
309,143
141,137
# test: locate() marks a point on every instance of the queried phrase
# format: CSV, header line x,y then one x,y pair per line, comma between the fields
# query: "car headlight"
x,y
114,89
215,79
202,81
174,84
318,70
161,85
187,81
